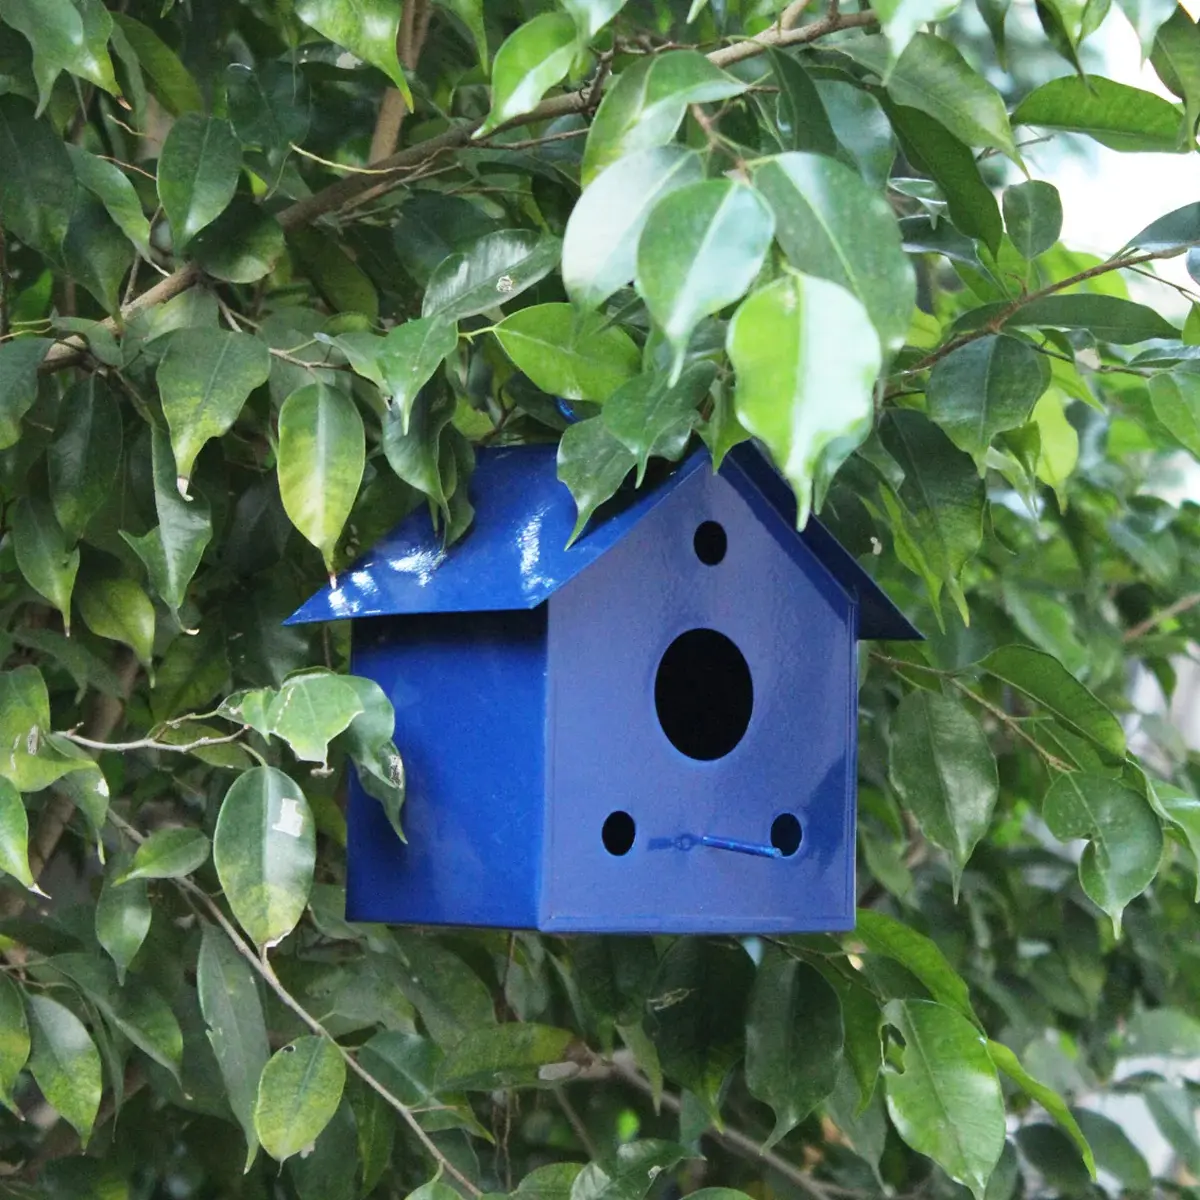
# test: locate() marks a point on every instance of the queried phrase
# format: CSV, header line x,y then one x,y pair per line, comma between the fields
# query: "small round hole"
x,y
618,833
710,543
786,834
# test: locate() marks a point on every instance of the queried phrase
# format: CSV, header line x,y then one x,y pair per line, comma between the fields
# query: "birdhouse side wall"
x,y
469,692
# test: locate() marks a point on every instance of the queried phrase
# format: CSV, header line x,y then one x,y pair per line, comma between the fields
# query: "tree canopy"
x,y
272,270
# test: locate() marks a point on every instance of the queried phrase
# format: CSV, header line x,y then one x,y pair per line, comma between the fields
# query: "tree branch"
x,y
414,24
1154,620
404,163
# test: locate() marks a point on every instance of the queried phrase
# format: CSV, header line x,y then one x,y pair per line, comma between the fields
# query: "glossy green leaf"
x,y
1146,16
244,244
1058,443
65,1063
471,14
593,463
800,112
505,1056
901,20
793,1039
1116,1155
1109,318
14,1039
33,759
1176,401
946,1102
37,186
653,418
14,837
310,710
1174,48
110,185
645,105
534,57
409,356
1125,838
701,248
85,456
1115,114
1048,684
123,920
197,173
237,1030
490,272
204,380
592,15
576,356
321,456
1170,234
415,454
1033,216
697,1012
628,1173
806,392
1047,1097
1173,1110
984,388
599,251
833,225
298,1093
95,252
264,847
19,362
168,854
368,741
43,555
174,85
270,106
64,37
944,772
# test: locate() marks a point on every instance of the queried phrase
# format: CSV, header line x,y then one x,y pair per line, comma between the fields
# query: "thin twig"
x,y
153,743
1165,614
573,1119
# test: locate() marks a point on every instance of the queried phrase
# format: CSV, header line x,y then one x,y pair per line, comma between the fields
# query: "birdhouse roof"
x,y
516,554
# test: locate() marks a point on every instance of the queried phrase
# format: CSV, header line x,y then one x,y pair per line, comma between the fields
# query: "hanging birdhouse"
x,y
651,731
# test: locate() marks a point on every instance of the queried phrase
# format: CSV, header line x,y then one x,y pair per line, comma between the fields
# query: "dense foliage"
x,y
270,270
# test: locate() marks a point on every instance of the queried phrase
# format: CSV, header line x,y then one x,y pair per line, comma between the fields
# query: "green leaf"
x,y
1175,397
1051,686
1181,811
20,359
368,741
173,84
701,248
803,388
504,1056
14,1039
168,854
1168,1032
173,549
1173,1110
1108,318
1170,234
1125,837
48,564
300,1090
984,388
63,39
242,245
198,172
901,20
264,848
832,224
470,13
95,252
123,920
409,356
415,455
1175,55
650,417
32,759
800,112
629,1173
491,271
85,456
592,15
1058,443
599,251
944,772
1033,216
270,106
310,711
534,57
1115,1154
645,105
697,1013
367,28
37,185
592,463
793,1040
14,837
946,1102
110,185
1116,115
1046,1096
322,451
65,1063
204,379
237,1030
918,954
576,356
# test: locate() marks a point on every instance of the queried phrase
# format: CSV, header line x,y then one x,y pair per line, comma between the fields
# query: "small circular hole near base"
x,y
786,834
618,833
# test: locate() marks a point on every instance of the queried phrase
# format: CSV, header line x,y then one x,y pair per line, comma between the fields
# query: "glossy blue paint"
x,y
565,772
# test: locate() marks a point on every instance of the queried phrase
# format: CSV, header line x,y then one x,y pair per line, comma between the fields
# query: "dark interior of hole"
x,y
618,833
710,542
786,834
703,694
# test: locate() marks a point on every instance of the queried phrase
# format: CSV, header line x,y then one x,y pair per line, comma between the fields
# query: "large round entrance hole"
x,y
618,833
786,834
703,694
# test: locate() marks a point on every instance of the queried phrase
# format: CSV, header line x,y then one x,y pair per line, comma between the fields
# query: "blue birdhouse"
x,y
652,731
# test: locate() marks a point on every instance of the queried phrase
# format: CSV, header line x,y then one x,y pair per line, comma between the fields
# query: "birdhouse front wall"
x,y
469,694
701,715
